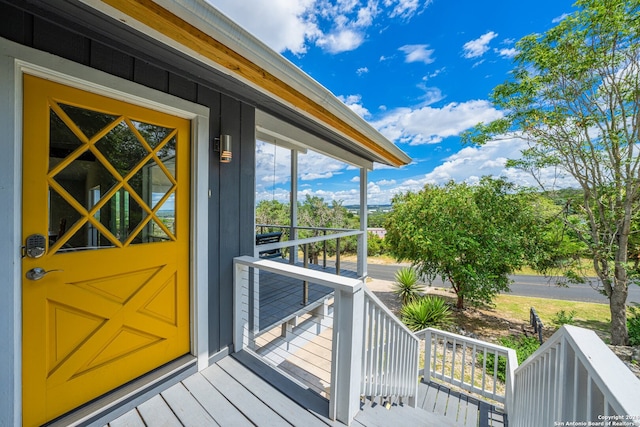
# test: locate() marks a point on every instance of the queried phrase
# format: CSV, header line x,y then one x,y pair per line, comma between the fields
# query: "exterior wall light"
x,y
223,145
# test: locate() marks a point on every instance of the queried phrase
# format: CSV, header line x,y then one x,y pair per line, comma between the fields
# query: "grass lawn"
x,y
509,314
588,315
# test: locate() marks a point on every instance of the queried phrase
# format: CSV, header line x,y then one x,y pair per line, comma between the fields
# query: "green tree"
x,y
473,236
314,212
272,212
377,219
574,96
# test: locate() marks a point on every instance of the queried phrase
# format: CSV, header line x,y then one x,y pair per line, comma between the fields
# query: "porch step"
x,y
375,414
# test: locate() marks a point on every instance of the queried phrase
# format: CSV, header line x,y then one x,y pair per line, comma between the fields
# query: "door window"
x,y
112,180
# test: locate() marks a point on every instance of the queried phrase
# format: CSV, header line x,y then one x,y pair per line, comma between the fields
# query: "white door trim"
x,y
16,60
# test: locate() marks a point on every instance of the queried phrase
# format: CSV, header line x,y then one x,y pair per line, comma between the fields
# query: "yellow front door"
x,y
106,233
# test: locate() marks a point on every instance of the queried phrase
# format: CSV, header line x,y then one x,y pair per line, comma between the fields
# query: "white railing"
x,y
575,377
348,320
390,354
372,352
333,234
470,364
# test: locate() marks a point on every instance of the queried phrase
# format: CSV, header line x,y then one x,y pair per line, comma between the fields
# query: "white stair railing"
x,y
470,364
575,377
348,321
389,353
373,353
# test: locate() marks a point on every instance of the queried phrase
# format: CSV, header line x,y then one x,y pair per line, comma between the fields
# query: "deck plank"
x,y
186,407
222,411
129,419
156,412
308,399
250,406
287,409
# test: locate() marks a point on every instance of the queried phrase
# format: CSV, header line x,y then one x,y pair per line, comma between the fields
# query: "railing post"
x,y
427,356
240,307
346,362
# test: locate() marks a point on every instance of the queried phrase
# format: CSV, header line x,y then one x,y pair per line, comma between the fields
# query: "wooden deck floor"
x,y
281,297
241,390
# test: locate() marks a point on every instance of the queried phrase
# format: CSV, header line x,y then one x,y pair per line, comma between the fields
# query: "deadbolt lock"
x,y
35,246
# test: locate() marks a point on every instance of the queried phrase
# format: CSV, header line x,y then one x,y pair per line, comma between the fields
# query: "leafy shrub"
x,y
375,245
564,318
524,347
406,285
633,326
429,311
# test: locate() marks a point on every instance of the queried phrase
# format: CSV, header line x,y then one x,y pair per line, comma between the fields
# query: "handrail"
x,y
300,227
347,327
471,373
307,240
373,353
574,376
389,354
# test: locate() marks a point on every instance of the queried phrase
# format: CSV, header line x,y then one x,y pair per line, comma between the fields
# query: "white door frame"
x,y
15,60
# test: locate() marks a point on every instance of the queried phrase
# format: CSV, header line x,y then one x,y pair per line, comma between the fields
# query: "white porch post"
x,y
346,363
240,306
293,206
362,239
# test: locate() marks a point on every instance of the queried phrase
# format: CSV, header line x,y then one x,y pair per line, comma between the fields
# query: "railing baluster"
x,y
588,413
453,359
444,355
338,256
575,386
435,351
484,368
464,366
495,371
474,360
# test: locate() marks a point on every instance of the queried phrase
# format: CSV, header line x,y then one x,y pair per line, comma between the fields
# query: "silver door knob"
x,y
38,273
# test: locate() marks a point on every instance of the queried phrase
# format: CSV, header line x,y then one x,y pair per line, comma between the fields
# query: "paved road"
x,y
531,286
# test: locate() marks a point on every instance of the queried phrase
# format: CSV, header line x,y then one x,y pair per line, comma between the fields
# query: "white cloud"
x,y
355,103
404,8
507,52
559,18
478,47
428,125
341,41
417,53
281,24
336,26
434,74
362,70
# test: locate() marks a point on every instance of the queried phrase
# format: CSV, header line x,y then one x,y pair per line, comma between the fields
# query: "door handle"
x,y
38,273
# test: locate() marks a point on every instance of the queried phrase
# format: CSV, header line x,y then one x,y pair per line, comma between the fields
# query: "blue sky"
x,y
419,71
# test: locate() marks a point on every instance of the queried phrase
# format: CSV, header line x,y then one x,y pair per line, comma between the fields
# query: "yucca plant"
x,y
406,285
426,312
